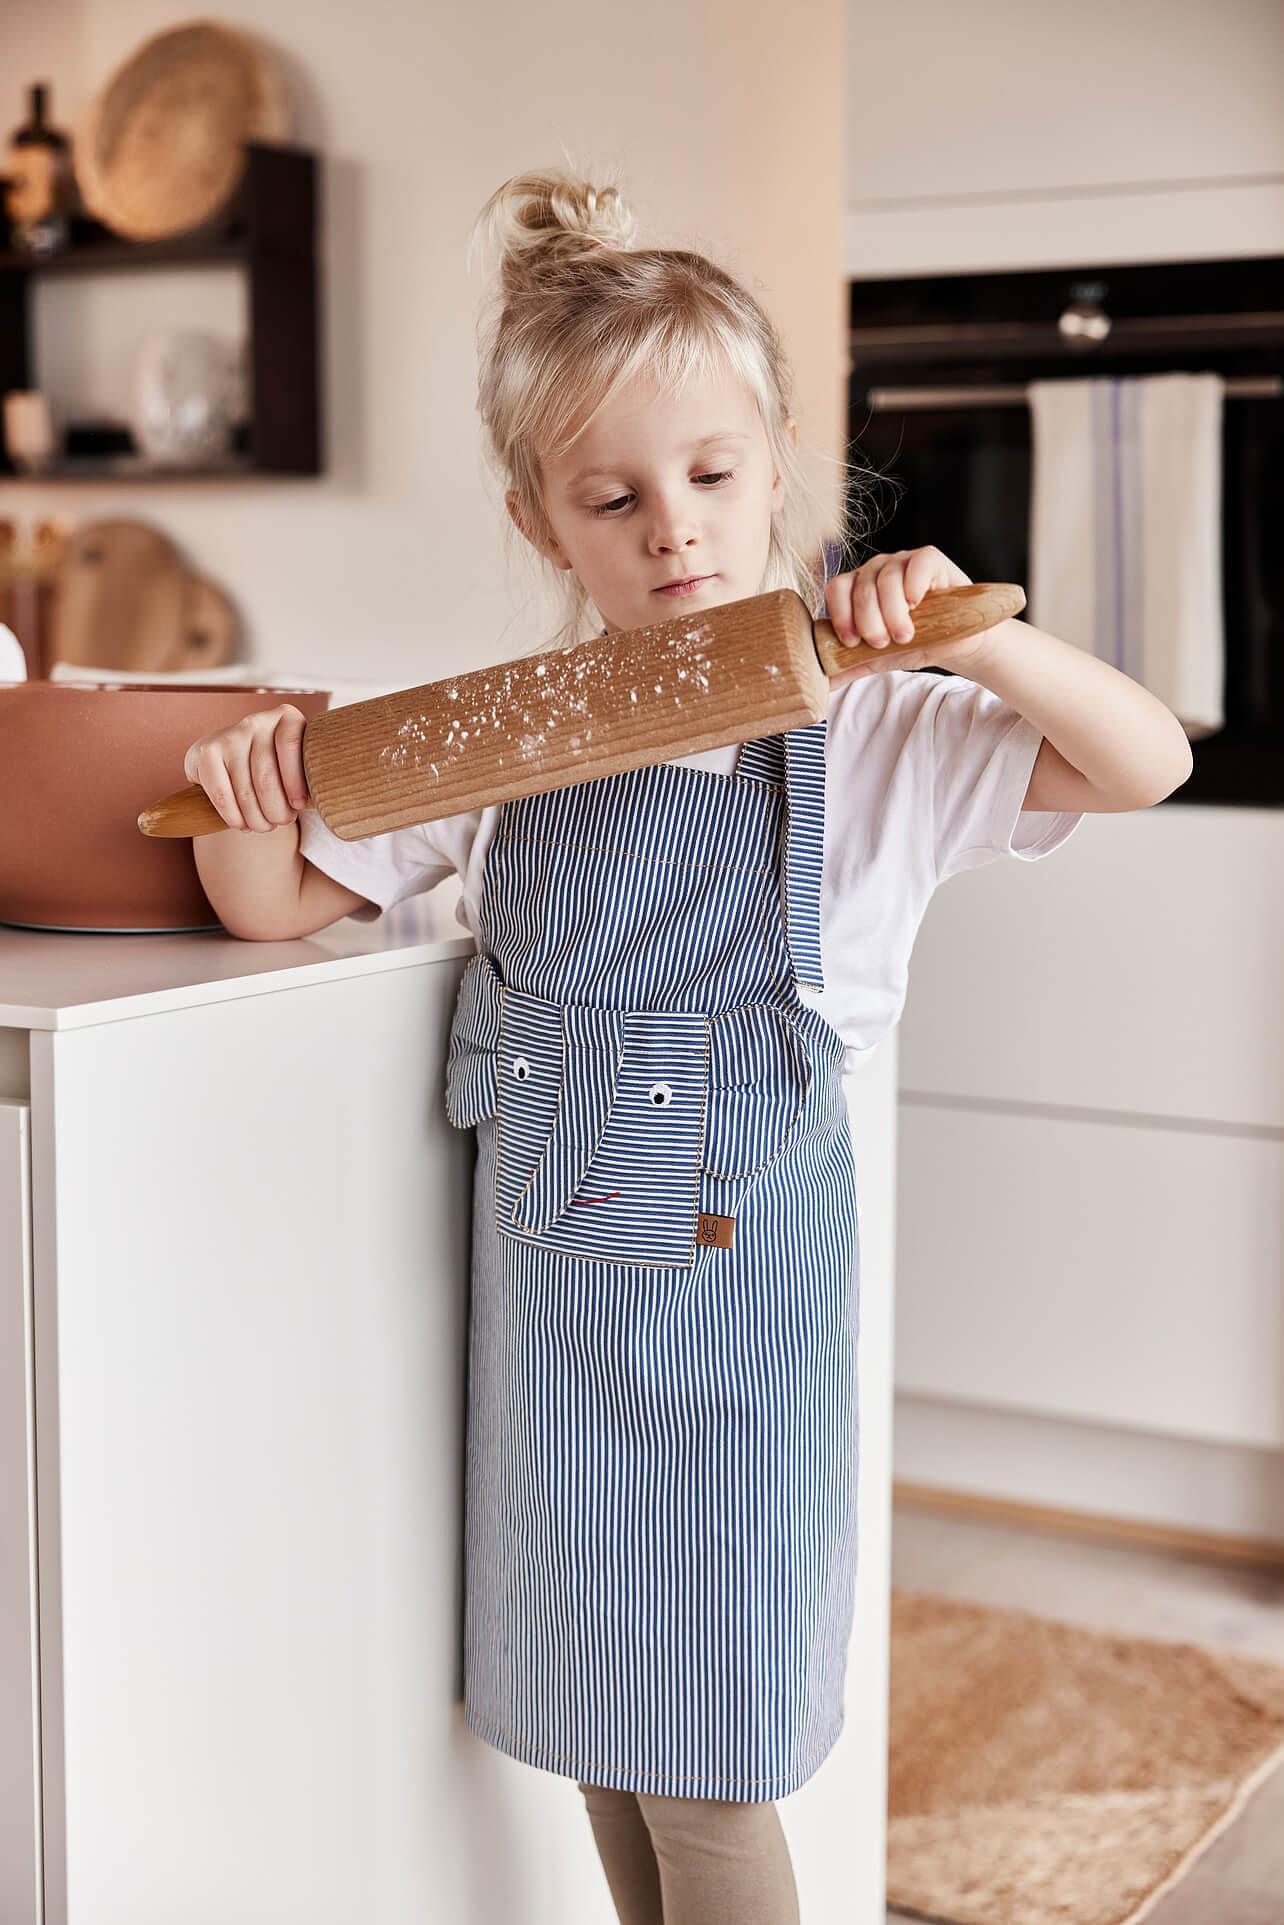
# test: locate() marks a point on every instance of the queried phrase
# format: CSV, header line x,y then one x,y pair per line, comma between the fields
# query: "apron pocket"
x,y
472,1060
759,1078
601,1116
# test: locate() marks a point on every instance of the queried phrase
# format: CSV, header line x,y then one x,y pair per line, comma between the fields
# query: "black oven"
x,y
937,407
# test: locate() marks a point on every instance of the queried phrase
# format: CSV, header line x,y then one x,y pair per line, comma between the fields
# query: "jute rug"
x,y
1041,1774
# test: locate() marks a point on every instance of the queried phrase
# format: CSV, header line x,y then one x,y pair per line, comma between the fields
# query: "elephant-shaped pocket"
x,y
601,1122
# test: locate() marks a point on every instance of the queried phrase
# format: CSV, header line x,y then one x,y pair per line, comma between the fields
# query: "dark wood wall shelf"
x,y
269,228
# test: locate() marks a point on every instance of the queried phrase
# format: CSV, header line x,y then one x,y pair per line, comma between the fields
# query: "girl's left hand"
x,y
874,602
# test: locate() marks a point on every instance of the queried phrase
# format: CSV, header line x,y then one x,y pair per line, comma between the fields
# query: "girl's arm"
x,y
1109,744
264,890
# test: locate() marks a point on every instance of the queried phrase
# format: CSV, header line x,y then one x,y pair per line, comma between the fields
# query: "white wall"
x,y
724,118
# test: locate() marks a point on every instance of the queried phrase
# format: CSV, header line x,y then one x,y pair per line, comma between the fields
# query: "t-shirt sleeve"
x,y
983,754
383,868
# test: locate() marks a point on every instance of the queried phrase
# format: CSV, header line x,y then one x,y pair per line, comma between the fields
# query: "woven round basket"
x,y
162,147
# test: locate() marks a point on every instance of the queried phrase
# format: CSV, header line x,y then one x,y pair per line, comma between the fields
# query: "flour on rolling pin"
x,y
637,697
564,680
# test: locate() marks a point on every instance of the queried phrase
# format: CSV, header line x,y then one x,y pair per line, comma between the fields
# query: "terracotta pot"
x,y
78,761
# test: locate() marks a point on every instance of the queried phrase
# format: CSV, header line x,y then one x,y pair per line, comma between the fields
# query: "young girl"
x,y
674,966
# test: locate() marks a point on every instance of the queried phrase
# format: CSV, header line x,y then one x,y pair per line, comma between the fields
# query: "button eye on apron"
x,y
660,1094
521,1068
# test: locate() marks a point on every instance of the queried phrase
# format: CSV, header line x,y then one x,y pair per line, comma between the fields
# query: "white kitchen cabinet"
x,y
1005,135
19,1708
234,1242
1094,1270
1090,1200
1137,970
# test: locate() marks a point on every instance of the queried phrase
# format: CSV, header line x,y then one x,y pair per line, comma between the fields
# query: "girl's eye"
x,y
606,507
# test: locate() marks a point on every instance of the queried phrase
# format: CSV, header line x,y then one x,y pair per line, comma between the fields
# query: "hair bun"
x,y
547,220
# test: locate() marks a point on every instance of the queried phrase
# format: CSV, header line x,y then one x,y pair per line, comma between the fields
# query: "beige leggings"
x,y
692,1861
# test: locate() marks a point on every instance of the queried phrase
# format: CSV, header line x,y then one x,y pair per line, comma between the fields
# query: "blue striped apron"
x,y
660,1502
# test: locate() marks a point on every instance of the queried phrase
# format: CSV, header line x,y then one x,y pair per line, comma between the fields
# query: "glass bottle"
x,y
40,193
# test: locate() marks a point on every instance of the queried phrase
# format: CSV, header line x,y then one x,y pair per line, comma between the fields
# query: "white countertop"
x,y
56,979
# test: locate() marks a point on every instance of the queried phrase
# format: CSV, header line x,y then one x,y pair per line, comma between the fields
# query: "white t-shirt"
x,y
924,776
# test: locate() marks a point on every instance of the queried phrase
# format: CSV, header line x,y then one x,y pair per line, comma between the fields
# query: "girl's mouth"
x,y
684,588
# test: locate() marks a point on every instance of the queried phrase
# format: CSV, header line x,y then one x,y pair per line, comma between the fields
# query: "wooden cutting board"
x,y
648,695
124,598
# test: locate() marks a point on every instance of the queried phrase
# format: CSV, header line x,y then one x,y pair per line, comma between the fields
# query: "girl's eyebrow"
x,y
729,434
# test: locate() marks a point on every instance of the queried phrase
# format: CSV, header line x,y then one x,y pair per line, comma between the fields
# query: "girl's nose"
x,y
671,530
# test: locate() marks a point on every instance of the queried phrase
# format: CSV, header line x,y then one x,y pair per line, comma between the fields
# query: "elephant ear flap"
x,y
472,1065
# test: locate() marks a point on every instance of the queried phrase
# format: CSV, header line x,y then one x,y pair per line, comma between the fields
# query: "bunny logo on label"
x,y
715,1231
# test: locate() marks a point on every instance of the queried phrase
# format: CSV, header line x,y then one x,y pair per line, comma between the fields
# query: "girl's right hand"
x,y
253,771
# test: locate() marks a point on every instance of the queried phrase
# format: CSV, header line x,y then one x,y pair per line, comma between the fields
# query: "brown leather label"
x,y
715,1230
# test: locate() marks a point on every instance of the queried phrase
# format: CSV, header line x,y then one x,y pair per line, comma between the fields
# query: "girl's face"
x,y
657,489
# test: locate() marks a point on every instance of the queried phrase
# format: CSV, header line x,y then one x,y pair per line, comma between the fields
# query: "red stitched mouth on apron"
x,y
597,1199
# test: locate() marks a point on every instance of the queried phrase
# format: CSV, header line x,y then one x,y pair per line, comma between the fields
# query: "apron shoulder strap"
x,y
804,754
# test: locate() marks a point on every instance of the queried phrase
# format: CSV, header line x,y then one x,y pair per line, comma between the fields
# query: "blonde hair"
x,y
578,313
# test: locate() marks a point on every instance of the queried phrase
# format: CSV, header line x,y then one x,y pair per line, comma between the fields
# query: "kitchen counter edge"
x,y
63,979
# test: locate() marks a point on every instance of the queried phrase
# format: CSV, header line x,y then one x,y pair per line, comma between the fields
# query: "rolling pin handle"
x,y
943,615
188,812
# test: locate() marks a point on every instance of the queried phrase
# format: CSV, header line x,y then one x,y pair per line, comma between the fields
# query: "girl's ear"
x,y
510,502
551,552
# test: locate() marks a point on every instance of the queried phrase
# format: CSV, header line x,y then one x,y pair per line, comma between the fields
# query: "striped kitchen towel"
x,y
1126,531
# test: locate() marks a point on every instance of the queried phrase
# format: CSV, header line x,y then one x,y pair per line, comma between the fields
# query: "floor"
x,y
1239,1880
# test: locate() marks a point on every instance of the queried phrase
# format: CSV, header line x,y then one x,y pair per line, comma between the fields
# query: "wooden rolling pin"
x,y
546,721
